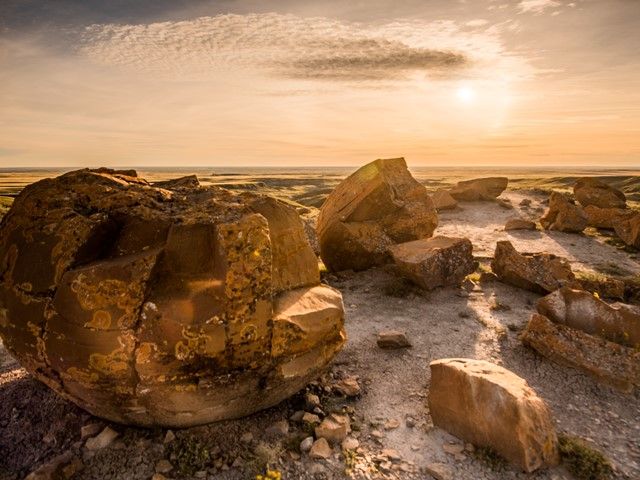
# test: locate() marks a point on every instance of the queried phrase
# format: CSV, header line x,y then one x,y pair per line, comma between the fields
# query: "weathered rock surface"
x,y
605,287
538,272
608,362
489,406
150,306
618,323
563,215
379,205
334,428
591,191
628,230
479,189
435,262
606,218
443,200
392,339
519,224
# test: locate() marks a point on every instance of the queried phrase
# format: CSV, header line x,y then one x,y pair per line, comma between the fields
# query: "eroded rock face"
x,y
608,362
150,306
628,229
563,215
443,200
435,262
479,189
379,205
606,218
489,406
519,224
618,323
591,191
538,272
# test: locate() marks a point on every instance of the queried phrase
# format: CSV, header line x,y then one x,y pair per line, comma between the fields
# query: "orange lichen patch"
x,y
101,320
82,375
145,351
4,317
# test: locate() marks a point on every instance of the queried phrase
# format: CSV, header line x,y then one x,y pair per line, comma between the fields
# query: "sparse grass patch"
x,y
189,454
612,268
400,287
264,457
583,461
490,457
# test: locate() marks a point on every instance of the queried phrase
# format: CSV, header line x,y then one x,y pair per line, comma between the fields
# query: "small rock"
x,y
89,430
102,440
391,424
305,445
453,448
392,454
169,437
410,422
334,428
350,443
312,401
278,429
158,476
163,466
297,416
52,469
320,450
310,418
519,224
392,339
348,387
439,471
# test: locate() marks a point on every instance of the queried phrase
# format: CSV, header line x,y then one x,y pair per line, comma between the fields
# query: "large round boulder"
x,y
175,305
379,205
592,191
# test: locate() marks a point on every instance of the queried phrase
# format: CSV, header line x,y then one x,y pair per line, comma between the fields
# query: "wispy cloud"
x,y
537,6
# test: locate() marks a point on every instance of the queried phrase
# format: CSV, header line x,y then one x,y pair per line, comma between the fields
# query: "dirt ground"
x,y
391,412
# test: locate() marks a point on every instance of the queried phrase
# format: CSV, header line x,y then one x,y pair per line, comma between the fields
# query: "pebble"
x,y
89,430
392,339
320,450
102,440
306,444
163,466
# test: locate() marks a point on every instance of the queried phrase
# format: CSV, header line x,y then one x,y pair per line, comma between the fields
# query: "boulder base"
x,y
606,218
435,262
170,306
607,362
489,406
538,272
563,215
591,191
379,205
479,189
618,323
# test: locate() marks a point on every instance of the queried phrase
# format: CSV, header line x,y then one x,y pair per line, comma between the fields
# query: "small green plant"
x,y
490,457
189,455
584,462
399,287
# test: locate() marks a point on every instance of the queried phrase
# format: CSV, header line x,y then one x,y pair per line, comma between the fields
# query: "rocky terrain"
x,y
369,416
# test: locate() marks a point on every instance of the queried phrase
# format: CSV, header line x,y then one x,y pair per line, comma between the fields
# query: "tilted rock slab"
x,y
618,323
435,262
537,272
479,189
151,306
563,215
489,406
379,205
607,362
606,218
443,200
591,191
628,229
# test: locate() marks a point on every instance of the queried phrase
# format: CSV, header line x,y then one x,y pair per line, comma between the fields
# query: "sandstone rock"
x,y
591,191
320,450
563,215
150,306
443,200
349,387
392,339
618,323
163,466
350,443
479,189
607,362
89,430
490,406
54,469
310,418
188,182
306,444
102,440
379,205
439,471
435,262
538,272
606,218
334,428
519,224
605,287
628,229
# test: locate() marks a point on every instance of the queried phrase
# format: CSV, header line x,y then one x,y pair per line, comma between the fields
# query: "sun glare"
x,y
466,94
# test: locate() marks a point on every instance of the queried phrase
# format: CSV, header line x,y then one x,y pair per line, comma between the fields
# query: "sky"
x,y
323,82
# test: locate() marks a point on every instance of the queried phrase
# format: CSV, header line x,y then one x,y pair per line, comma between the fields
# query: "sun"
x,y
466,94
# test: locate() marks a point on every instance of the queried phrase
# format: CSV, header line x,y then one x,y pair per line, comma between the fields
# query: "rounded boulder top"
x,y
171,304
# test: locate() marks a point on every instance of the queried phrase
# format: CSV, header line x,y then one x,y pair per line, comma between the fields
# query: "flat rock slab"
x,y
607,362
435,262
489,406
479,189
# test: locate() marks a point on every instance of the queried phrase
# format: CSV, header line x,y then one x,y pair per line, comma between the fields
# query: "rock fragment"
x,y
443,200
334,428
320,450
628,229
349,387
435,262
563,215
102,440
519,224
392,339
379,205
538,272
490,406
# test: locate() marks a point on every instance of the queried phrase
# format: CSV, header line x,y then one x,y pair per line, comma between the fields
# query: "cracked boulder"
x,y
617,323
628,229
489,406
174,306
376,207
564,215
591,191
479,189
537,272
435,262
606,218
